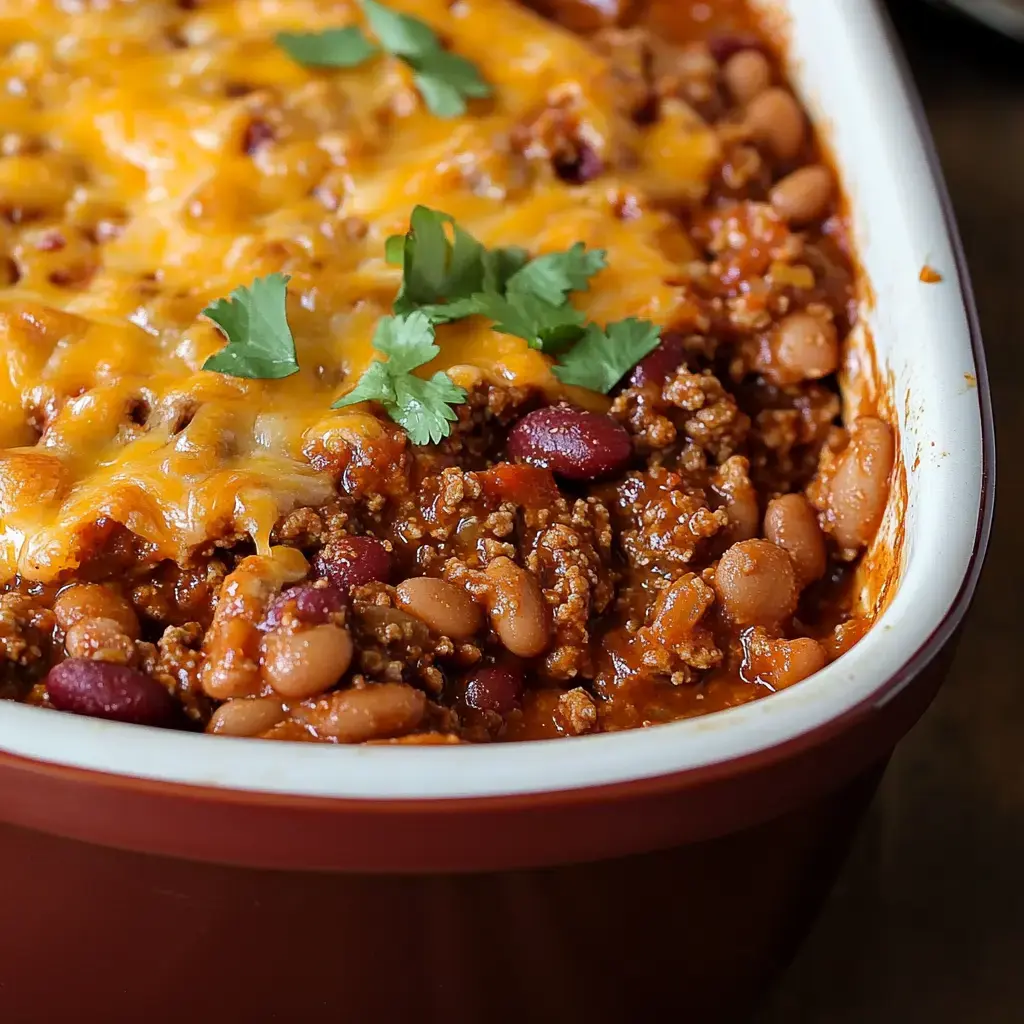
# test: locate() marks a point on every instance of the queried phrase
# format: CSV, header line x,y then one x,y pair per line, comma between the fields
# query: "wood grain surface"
x,y
927,923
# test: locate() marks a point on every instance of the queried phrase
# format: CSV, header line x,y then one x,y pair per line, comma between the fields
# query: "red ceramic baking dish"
x,y
159,876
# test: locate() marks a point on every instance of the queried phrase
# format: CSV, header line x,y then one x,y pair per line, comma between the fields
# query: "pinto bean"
x,y
232,643
518,612
859,488
246,716
790,523
302,664
779,663
732,483
747,74
680,608
803,347
93,601
756,583
372,712
444,607
776,122
101,640
804,195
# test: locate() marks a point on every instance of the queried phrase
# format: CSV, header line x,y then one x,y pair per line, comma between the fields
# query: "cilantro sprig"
x,y
604,355
447,275
449,278
255,323
422,407
444,79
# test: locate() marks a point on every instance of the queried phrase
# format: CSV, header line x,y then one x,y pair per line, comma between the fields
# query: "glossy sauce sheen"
x,y
156,156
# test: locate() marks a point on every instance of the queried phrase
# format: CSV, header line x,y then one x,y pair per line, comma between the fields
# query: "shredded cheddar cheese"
x,y
153,158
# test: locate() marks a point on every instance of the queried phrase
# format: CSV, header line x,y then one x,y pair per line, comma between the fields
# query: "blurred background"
x,y
927,923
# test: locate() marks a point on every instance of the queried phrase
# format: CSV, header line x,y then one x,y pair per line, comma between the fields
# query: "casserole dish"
x,y
447,883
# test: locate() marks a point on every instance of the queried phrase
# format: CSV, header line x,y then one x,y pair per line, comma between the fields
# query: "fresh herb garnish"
x,y
449,278
602,356
422,407
435,269
551,277
445,80
540,324
333,48
255,323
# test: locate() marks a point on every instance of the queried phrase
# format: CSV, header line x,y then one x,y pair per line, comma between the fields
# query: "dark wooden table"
x,y
927,923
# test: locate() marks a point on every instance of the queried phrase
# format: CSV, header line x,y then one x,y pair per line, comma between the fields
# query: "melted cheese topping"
x,y
128,202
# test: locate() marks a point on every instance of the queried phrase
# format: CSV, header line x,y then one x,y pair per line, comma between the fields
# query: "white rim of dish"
x,y
924,603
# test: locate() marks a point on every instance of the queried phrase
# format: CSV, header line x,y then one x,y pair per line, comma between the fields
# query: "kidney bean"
x,y
103,690
662,363
756,583
747,74
803,347
790,523
351,561
574,444
859,487
776,121
444,607
804,195
583,166
518,612
311,604
93,601
246,716
306,663
495,688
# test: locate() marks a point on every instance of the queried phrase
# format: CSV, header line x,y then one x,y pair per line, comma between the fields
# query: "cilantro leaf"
x,y
394,250
600,359
551,277
500,265
333,48
255,323
422,407
434,267
445,80
407,341
540,324
373,386
399,34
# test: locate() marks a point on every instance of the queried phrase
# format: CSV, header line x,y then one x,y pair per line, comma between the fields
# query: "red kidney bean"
x,y
311,605
574,444
352,561
582,167
495,688
103,690
727,45
659,365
